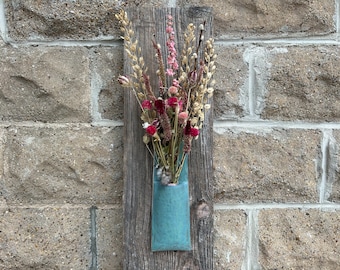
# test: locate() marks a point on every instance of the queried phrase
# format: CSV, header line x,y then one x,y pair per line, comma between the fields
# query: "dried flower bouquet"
x,y
173,115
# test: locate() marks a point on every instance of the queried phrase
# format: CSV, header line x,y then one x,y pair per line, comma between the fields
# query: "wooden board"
x,y
138,162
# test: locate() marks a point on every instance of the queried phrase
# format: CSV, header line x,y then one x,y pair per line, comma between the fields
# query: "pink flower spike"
x,y
146,104
170,72
172,53
175,83
169,29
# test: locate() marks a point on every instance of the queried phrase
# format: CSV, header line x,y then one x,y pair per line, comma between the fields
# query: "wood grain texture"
x,y
138,162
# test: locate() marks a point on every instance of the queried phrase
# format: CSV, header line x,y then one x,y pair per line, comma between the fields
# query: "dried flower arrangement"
x,y
174,115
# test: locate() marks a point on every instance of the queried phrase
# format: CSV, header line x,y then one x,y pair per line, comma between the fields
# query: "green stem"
x,y
174,147
179,170
159,151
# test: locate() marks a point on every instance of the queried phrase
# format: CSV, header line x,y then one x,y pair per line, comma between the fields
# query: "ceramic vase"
x,y
170,228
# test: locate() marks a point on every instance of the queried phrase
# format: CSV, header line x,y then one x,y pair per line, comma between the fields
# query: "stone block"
x,y
299,239
334,166
2,146
63,20
58,165
246,18
107,66
48,84
334,195
230,76
44,238
265,165
304,84
229,235
110,238
51,20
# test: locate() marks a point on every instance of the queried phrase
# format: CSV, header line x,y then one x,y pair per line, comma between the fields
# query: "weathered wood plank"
x,y
138,162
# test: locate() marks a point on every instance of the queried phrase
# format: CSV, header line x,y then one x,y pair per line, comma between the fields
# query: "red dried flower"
x,y
194,132
187,129
160,106
146,104
172,102
151,130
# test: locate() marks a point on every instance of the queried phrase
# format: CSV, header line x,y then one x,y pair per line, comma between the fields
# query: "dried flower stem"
x,y
161,68
148,89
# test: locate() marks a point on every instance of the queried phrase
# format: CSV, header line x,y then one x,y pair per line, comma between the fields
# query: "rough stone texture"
x,y
110,238
334,194
2,145
44,238
299,239
49,20
266,166
44,84
2,43
58,165
107,66
247,18
304,84
230,76
230,229
77,20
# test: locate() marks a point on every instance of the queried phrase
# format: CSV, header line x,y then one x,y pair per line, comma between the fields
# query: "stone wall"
x,y
276,134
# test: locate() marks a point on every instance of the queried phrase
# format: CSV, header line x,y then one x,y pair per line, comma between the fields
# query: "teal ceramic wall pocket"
x,y
170,228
